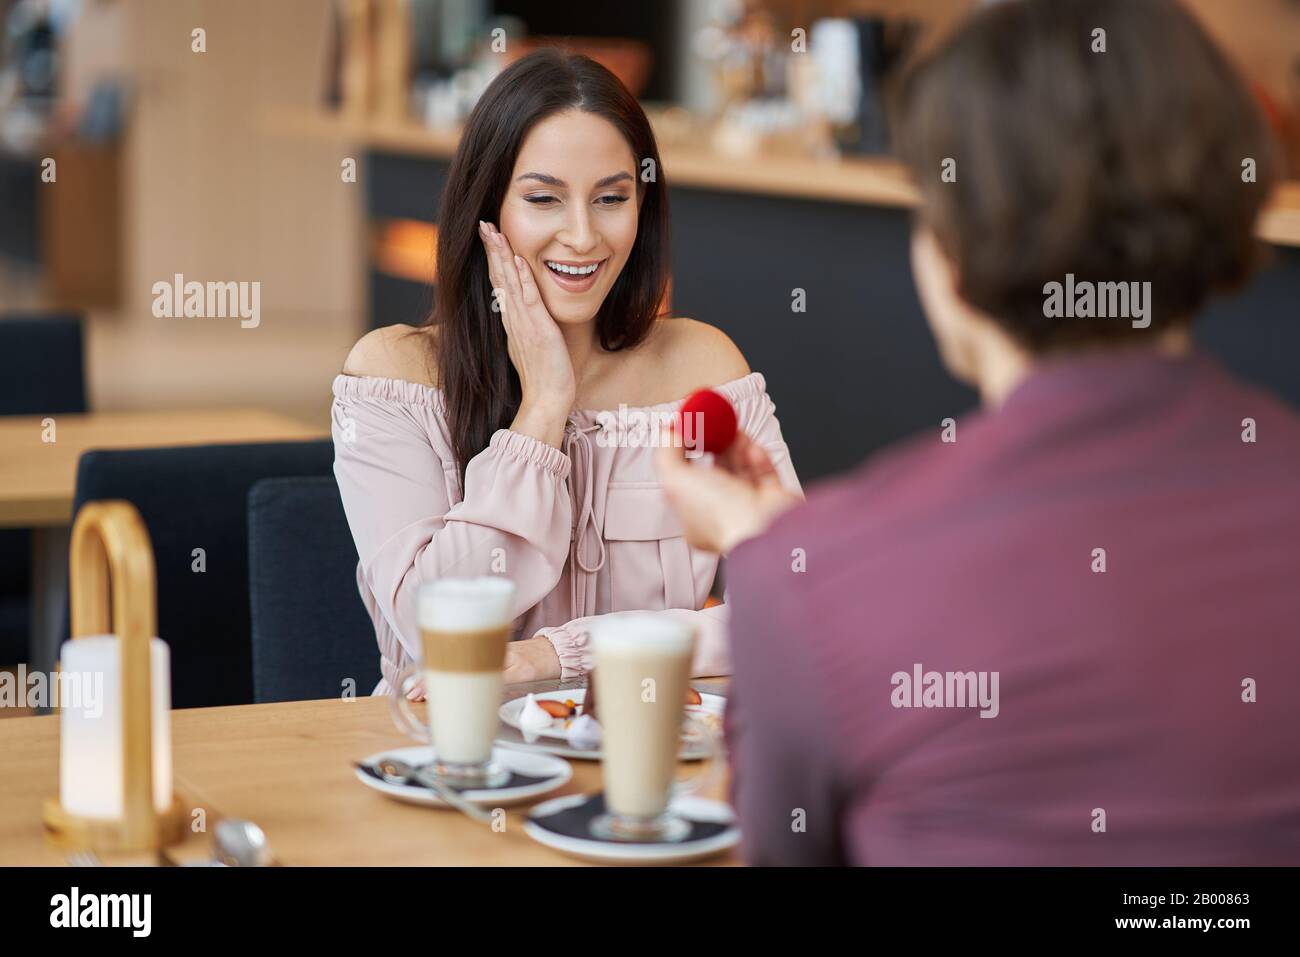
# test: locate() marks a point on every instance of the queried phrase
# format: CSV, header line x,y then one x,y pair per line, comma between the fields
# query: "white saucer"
x,y
555,771
594,849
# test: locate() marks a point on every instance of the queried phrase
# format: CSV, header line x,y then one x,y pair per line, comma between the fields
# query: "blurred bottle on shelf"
x,y
816,89
426,60
371,61
29,69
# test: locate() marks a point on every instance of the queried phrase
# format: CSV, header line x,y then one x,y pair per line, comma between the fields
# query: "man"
x,y
1064,629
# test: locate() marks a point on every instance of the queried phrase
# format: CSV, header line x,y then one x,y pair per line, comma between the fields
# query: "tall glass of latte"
x,y
465,624
642,664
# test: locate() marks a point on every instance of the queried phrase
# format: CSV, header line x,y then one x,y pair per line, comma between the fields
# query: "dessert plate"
x,y
563,824
531,775
555,740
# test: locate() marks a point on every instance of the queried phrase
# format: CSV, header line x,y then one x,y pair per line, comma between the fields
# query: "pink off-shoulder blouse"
x,y
583,530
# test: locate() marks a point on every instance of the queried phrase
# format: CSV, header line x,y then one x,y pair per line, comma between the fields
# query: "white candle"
x,y
90,726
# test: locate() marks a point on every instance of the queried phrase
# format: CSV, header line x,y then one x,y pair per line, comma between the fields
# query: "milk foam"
x,y
467,604
640,633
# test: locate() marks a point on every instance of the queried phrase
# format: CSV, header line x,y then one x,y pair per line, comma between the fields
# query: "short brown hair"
x,y
1116,166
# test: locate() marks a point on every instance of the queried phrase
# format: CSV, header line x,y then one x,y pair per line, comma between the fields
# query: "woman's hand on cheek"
x,y
532,659
536,345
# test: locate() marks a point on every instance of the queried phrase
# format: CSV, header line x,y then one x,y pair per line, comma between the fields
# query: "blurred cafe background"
x,y
302,144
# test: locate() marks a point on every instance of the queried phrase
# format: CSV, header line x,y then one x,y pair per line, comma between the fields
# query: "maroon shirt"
x,y
1120,693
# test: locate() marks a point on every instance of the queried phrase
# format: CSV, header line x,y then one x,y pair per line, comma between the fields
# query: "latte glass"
x,y
642,664
465,625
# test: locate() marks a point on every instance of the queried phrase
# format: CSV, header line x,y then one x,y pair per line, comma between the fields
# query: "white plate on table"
x,y
615,852
554,772
555,740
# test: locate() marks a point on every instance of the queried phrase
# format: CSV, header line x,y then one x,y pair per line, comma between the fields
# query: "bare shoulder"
x,y
394,352
695,355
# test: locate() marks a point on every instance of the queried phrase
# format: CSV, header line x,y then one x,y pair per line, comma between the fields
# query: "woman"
x,y
475,445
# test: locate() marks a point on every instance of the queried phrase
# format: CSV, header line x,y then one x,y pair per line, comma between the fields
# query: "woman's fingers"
x,y
506,263
527,283
489,250
499,257
522,299
500,292
493,258
521,285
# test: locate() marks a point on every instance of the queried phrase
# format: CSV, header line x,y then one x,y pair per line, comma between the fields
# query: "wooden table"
x,y
38,479
288,767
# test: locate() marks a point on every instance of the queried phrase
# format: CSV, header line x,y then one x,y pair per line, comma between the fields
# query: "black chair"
x,y
312,637
197,498
41,373
41,364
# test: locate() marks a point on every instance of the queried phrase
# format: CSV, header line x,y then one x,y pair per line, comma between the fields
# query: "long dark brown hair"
x,y
479,383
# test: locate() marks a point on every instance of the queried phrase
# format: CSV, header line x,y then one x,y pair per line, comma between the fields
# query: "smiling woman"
x,y
467,447
550,154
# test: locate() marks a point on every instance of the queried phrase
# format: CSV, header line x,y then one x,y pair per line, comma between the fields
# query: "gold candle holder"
x,y
111,555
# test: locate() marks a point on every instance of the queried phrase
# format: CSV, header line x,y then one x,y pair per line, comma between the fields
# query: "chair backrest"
x,y
312,637
41,364
196,498
41,373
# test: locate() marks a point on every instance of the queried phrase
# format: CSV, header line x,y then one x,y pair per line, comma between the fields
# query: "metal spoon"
x,y
241,844
395,771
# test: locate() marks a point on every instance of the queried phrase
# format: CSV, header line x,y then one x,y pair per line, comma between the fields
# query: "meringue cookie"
x,y
533,718
584,733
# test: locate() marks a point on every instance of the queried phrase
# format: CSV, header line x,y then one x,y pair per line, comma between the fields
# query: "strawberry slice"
x,y
556,709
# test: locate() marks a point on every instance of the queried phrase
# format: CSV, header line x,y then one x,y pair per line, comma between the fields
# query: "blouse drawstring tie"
x,y
577,446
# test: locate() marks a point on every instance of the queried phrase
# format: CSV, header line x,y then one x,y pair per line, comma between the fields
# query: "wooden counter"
x,y
862,180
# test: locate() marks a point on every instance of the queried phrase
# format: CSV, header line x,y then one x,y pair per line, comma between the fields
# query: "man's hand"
x,y
722,506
